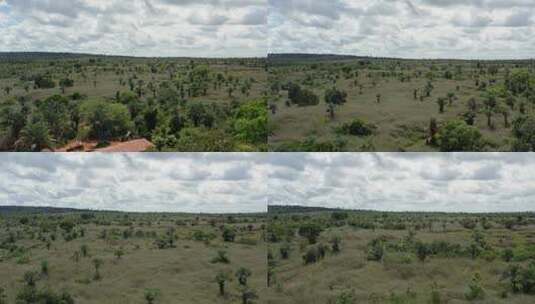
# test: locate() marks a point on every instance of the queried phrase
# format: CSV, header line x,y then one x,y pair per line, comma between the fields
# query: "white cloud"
x,y
196,182
404,28
135,27
455,182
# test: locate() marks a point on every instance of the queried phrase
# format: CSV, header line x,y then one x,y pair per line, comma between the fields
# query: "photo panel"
x,y
133,76
132,228
401,228
411,75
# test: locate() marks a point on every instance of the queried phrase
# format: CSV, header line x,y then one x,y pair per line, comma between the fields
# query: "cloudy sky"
x,y
467,182
205,28
469,29
208,183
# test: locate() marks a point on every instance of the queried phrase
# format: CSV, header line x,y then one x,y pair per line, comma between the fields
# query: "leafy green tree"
x,y
104,120
221,278
247,295
475,291
35,136
441,101
151,295
310,231
376,250
334,98
250,123
229,234
524,132
97,263
242,274
457,136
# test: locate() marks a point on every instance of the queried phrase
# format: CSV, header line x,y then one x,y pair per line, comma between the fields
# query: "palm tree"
x,y
97,263
242,274
489,112
221,278
441,103
451,97
35,136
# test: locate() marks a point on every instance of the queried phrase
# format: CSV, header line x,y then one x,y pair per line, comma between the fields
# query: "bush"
x,y
104,120
229,234
301,97
250,123
221,257
310,231
475,291
376,250
311,256
356,127
457,136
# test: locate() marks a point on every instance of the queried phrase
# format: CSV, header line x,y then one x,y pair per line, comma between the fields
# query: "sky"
x,y
160,28
464,29
449,182
157,182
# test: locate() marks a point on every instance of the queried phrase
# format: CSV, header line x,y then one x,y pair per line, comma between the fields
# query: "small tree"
x,y
119,253
333,98
221,257
285,251
242,275
441,101
84,250
247,295
422,251
3,296
151,295
97,263
30,278
221,278
44,268
335,242
229,234
475,291
376,250
310,231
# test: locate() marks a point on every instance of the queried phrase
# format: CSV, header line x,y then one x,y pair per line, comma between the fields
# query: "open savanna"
x,y
50,100
142,258
335,256
393,104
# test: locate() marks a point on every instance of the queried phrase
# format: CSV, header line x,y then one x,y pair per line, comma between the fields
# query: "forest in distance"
x,y
284,102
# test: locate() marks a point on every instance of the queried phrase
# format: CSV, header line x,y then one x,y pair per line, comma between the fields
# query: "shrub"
x,y
221,257
356,127
310,231
229,234
475,291
151,295
376,250
242,275
457,136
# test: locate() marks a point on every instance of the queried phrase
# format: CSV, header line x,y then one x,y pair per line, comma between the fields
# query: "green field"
x,y
382,257
171,256
386,106
180,104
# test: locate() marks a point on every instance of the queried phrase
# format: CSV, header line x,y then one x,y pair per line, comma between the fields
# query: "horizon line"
x,y
263,56
406,211
76,209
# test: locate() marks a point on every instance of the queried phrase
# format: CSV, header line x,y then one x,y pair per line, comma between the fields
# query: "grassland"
x,y
169,256
399,257
389,96
180,104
